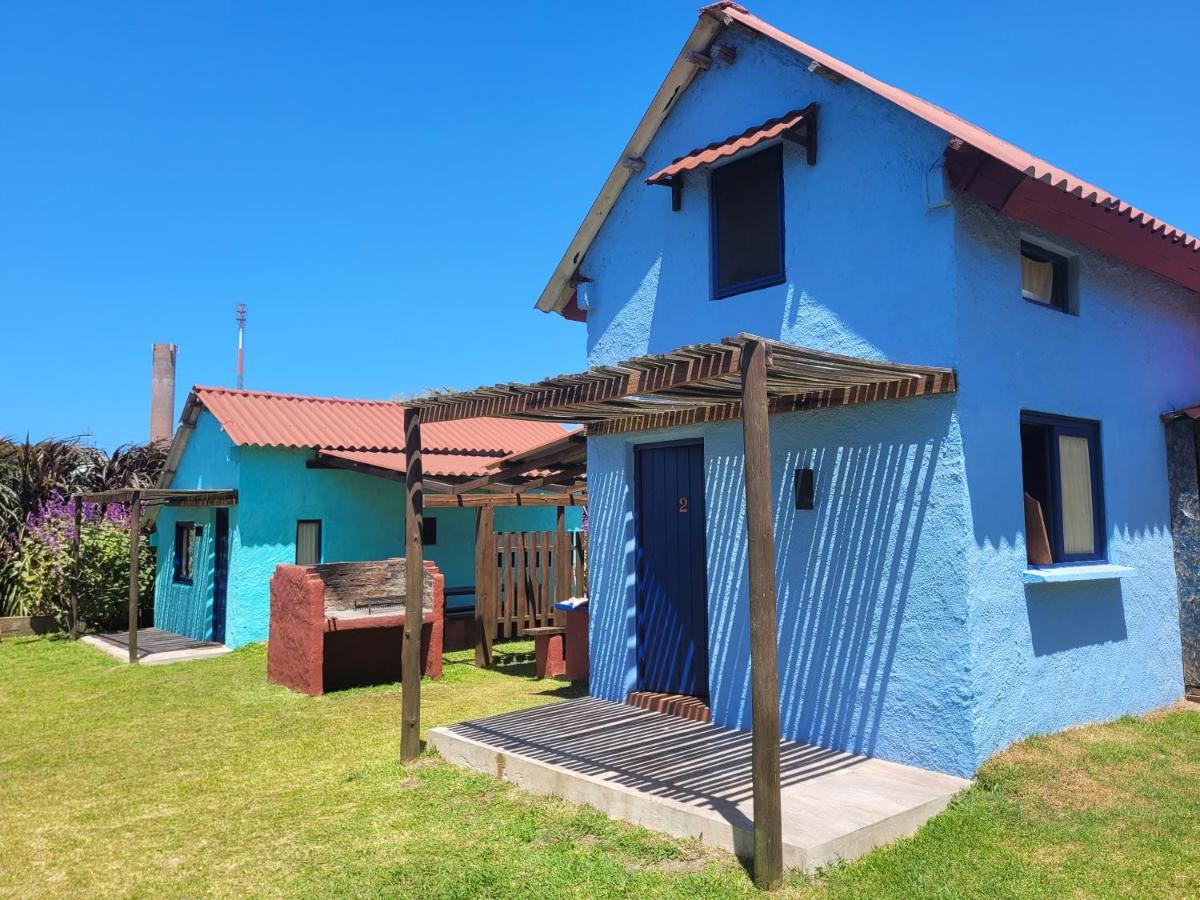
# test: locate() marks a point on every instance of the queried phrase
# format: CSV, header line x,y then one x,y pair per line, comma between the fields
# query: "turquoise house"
x,y
308,475
955,572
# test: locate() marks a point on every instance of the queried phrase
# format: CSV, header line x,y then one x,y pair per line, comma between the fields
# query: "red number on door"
x,y
683,507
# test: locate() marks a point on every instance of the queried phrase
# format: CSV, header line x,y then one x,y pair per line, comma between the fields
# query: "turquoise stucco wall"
x,y
210,461
906,630
362,518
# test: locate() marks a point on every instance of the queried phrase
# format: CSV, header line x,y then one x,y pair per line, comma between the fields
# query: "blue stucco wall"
x,y
906,629
1051,655
860,579
209,461
862,248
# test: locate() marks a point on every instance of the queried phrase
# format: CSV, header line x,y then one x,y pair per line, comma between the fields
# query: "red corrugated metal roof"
x,y
751,137
433,465
263,419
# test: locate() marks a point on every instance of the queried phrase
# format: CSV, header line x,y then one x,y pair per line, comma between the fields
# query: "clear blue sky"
x,y
388,186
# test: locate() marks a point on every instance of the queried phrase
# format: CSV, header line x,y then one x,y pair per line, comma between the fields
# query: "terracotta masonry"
x,y
339,624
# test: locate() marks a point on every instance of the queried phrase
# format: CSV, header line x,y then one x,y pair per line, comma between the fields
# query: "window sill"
x,y
1091,572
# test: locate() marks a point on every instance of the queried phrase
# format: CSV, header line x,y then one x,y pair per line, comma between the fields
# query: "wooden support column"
x,y
135,528
414,596
76,569
764,663
485,584
562,564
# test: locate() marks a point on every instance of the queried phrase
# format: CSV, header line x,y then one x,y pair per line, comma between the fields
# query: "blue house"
x,y
954,571
318,479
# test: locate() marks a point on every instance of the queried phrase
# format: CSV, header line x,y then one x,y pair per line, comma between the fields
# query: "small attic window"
x,y
746,223
1045,277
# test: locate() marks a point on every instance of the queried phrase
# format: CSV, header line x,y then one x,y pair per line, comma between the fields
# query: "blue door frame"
x,y
672,572
220,573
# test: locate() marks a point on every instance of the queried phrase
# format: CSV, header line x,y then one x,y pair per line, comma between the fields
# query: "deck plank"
x,y
694,779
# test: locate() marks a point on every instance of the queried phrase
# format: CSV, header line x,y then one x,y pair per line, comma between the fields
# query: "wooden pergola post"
x,y
764,663
414,596
562,559
77,573
485,584
135,527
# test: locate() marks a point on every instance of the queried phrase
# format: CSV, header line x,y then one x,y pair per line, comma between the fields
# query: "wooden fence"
x,y
533,571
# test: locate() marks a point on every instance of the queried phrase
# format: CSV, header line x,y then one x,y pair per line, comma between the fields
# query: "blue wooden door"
x,y
672,588
220,573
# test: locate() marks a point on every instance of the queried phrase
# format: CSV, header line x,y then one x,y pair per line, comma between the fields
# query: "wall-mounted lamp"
x,y
806,497
585,293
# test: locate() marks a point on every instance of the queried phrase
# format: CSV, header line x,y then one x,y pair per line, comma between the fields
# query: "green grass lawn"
x,y
201,779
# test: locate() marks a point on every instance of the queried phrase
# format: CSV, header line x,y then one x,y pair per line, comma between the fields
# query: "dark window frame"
x,y
751,284
1086,428
429,530
1060,288
184,561
320,541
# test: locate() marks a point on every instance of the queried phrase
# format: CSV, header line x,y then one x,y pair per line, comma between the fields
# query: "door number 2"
x,y
683,504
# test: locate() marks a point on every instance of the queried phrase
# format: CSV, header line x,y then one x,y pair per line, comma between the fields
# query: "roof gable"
x,y
990,169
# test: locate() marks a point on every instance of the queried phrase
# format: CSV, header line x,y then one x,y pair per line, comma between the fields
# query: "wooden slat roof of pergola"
x,y
694,384
162,497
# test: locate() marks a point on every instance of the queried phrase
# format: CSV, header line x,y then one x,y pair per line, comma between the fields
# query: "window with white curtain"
x,y
1045,277
1064,500
308,542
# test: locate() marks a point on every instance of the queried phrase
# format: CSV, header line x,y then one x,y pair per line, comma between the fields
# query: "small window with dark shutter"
x,y
308,542
746,221
185,552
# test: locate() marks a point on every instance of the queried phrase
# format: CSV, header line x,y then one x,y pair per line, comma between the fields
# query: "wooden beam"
x,y
414,595
564,476
557,292
693,366
764,663
135,527
574,497
485,584
77,568
925,386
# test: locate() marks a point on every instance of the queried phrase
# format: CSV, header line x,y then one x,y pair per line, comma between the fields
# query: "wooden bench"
x,y
548,650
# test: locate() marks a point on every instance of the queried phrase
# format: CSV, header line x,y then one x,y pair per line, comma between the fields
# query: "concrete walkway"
x,y
692,779
155,646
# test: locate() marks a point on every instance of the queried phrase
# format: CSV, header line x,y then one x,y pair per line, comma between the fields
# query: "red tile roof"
x,y
262,419
751,137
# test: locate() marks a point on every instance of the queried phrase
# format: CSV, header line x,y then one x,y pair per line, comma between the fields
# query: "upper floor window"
x,y
746,223
1064,498
308,542
185,552
1045,277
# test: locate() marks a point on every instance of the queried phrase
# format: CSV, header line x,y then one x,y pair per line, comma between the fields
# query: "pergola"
x,y
551,474
135,498
744,377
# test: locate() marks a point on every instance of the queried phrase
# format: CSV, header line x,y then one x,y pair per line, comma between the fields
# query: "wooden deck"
x,y
155,646
693,779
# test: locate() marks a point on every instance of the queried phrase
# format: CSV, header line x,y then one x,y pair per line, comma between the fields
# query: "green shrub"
x,y
46,571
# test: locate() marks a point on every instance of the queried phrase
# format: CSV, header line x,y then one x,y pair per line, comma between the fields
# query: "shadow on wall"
x,y
845,575
612,608
1070,616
